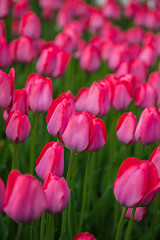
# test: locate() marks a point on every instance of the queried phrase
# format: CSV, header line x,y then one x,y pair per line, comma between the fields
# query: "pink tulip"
x,y
4,8
7,88
2,190
17,126
154,81
63,17
96,99
84,236
96,21
39,93
111,10
155,158
76,134
148,56
66,41
137,183
20,8
90,58
2,30
24,190
126,127
15,27
57,193
58,115
30,25
139,214
134,35
148,127
50,160
50,4
5,58
145,96
98,135
20,103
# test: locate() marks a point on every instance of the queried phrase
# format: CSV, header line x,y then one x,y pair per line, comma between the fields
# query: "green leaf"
x,y
3,229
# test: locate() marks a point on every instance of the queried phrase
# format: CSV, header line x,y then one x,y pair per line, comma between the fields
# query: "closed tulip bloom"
x,y
66,41
145,96
67,95
137,183
50,4
112,10
20,103
122,95
17,126
50,160
155,158
126,127
76,135
24,198
2,191
98,135
139,214
148,127
148,56
90,58
96,99
5,58
7,89
58,115
154,81
84,236
30,25
57,193
4,8
40,94
20,8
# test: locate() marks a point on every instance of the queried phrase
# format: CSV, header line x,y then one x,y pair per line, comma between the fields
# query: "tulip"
x,y
50,4
63,17
2,29
57,193
4,8
98,135
139,214
137,183
67,41
58,115
24,190
90,59
148,127
40,93
126,127
76,134
96,99
20,103
154,81
50,160
112,10
155,158
5,58
30,25
2,190
15,27
148,56
96,21
20,8
7,88
84,236
17,126
134,35
145,96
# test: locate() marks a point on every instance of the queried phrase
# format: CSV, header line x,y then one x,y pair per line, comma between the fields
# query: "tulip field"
x,y
79,120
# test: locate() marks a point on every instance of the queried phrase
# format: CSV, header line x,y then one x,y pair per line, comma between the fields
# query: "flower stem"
x,y
129,229
42,226
14,160
84,192
33,140
156,204
124,210
50,227
19,235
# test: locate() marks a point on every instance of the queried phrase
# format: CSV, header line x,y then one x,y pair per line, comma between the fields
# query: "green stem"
x,y
64,216
31,231
42,226
84,192
156,204
91,183
129,229
125,152
33,140
19,235
142,151
14,160
124,210
50,227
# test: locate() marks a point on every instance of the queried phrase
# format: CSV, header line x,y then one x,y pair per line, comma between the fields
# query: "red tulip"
x,y
57,193
24,190
148,127
17,126
50,160
126,127
2,190
7,89
137,183
84,236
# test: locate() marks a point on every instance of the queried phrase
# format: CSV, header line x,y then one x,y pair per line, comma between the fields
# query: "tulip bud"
x,y
154,81
148,127
155,158
4,8
39,93
139,214
126,127
2,191
20,8
137,183
5,58
24,190
76,134
30,25
111,10
50,160
145,96
17,126
84,236
58,115
57,193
